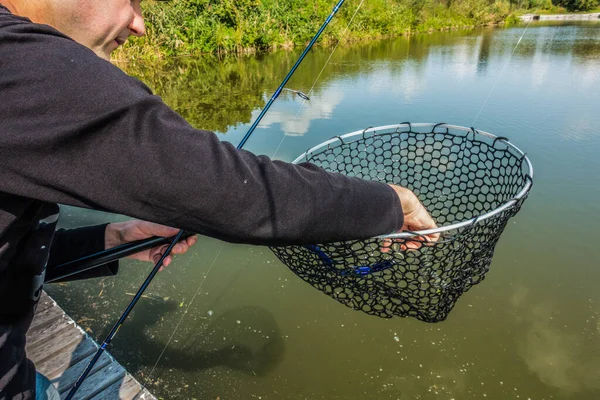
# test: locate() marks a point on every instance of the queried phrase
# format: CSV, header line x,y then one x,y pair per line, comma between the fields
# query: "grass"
x,y
186,27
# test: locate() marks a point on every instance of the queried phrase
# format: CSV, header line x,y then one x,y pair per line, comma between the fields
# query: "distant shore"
x,y
560,17
193,27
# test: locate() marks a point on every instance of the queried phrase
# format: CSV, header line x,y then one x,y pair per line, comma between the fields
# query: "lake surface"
x,y
231,322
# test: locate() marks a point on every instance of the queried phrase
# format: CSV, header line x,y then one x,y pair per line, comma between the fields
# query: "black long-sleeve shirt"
x,y
74,129
31,243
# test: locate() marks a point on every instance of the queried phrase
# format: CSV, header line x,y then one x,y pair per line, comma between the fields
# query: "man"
x,y
76,130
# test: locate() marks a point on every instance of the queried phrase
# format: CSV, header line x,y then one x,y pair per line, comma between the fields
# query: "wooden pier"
x,y
61,350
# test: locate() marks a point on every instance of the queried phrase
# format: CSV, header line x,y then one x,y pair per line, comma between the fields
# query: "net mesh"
x,y
459,174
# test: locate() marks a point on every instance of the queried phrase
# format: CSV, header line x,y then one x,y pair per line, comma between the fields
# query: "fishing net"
x,y
470,181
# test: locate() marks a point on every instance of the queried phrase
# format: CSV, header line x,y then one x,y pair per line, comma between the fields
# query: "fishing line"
x,y
180,234
503,70
283,138
312,253
185,312
243,141
426,283
320,73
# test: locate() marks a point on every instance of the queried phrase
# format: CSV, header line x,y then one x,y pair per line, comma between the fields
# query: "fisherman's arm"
x,y
97,138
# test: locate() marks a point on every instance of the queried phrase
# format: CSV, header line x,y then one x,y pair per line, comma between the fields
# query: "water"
x,y
252,330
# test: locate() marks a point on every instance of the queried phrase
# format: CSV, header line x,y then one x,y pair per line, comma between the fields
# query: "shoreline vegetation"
x,y
219,27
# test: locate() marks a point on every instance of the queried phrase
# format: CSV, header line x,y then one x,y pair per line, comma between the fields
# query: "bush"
x,y
577,5
511,20
238,26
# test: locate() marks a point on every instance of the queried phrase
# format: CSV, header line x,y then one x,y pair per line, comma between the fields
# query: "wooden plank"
x,y
44,303
145,395
55,344
46,331
98,382
73,353
61,351
46,316
127,389
67,379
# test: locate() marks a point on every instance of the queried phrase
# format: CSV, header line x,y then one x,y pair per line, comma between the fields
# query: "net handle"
x,y
384,130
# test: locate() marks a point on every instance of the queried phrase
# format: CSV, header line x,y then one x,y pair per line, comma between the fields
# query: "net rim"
x,y
472,221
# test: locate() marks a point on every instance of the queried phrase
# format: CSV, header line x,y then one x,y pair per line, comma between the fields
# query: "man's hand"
x,y
130,231
416,218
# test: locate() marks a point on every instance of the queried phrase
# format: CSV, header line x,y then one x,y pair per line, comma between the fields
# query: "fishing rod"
x,y
62,271
89,262
180,234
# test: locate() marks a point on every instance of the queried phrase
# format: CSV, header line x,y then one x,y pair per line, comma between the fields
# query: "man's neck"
x,y
35,10
9,5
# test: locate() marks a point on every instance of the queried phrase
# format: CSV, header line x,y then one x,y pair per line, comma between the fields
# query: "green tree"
x,y
577,5
181,27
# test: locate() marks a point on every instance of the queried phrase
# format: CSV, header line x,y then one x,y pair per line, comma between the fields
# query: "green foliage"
x,y
511,20
180,27
578,5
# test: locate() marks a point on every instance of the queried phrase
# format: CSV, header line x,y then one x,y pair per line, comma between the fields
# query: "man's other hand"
x,y
124,232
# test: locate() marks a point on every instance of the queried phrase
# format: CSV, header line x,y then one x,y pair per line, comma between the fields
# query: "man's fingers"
x,y
412,245
156,258
192,240
386,245
184,245
434,237
407,244
153,229
180,248
136,230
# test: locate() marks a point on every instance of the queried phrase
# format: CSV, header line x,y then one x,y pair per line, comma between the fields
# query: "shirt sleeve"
x,y
77,130
72,244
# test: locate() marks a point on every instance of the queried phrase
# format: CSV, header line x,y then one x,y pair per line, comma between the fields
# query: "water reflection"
x,y
531,329
224,95
484,52
296,120
560,358
246,339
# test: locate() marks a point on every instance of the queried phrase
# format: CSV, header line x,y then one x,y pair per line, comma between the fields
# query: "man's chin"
x,y
103,54
105,51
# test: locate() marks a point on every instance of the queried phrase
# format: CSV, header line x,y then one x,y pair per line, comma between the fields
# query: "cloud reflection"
x,y
297,123
407,81
559,358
